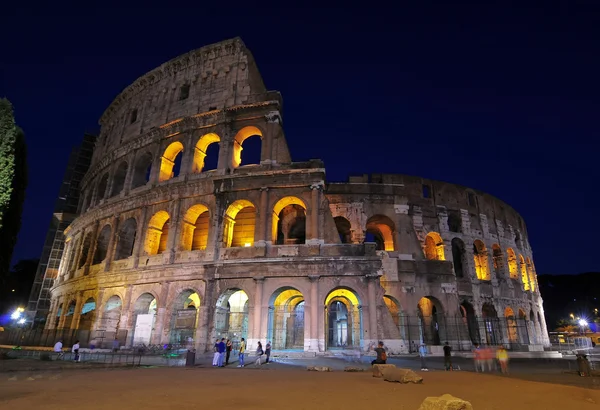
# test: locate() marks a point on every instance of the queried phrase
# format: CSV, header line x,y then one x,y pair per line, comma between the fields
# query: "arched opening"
x,y
86,318
126,239
203,159
111,320
142,170
231,315
289,221
69,315
493,335
239,224
344,229
170,162
252,147
470,321
101,188
184,318
454,221
343,319
400,321
144,313
157,233
513,271
381,229
480,256
531,274
497,258
286,319
511,325
524,276
431,317
102,245
196,222
72,252
119,179
459,257
434,247
85,250
523,328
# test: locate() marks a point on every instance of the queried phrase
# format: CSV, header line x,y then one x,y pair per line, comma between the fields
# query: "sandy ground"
x,y
276,387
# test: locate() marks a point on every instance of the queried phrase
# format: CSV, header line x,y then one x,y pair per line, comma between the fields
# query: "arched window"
x,y
343,227
239,224
170,162
458,257
126,239
102,245
381,229
119,179
524,276
101,188
203,161
454,221
513,271
195,228
434,247
531,274
157,233
497,258
289,221
85,250
242,135
480,257
141,172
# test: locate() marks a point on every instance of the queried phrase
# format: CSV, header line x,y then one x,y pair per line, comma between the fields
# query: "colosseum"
x,y
182,239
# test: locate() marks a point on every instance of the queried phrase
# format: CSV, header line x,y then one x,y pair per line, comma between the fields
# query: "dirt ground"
x,y
274,388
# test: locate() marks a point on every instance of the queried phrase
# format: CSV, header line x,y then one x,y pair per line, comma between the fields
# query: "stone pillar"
x,y
263,218
202,331
372,295
273,129
63,312
161,310
92,248
77,251
77,314
112,243
125,314
51,314
313,234
128,175
311,344
187,158
175,230
257,313
99,312
139,237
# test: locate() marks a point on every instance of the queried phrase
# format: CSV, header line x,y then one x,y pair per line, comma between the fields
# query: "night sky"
x,y
504,100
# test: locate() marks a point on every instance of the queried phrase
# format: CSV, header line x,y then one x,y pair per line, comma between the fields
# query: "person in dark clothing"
x,y
268,352
228,348
221,348
381,354
447,357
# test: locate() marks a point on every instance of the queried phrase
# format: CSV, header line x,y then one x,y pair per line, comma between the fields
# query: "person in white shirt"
x,y
58,349
75,350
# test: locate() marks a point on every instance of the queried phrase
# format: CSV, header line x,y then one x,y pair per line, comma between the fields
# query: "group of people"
x,y
58,348
484,358
223,348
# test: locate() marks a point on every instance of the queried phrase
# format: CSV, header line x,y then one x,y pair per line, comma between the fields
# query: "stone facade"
x,y
167,251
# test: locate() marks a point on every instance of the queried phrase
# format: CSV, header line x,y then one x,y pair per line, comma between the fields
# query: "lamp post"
x,y
583,324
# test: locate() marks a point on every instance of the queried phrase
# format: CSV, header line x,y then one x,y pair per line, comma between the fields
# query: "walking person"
x,y
115,345
216,353
502,356
478,359
228,348
58,349
75,350
422,355
381,355
447,357
489,358
268,351
242,352
259,353
221,348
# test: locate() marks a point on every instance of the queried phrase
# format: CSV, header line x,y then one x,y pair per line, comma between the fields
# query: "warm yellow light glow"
x,y
344,294
239,223
512,324
247,244
195,228
434,247
239,139
480,257
168,161
156,234
201,148
524,276
383,226
512,264
282,203
530,274
195,300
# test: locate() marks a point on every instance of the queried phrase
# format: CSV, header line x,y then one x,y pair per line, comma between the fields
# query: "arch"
x,y
231,315
142,170
523,327
144,316
511,325
184,317
480,256
239,224
85,250
454,221
431,313
470,320
459,257
119,179
101,188
126,239
512,264
343,319
493,335
524,276
87,314
241,136
157,233
201,151
111,319
434,247
102,244
196,223
343,227
69,313
497,258
286,319
170,161
381,229
531,274
289,221
394,308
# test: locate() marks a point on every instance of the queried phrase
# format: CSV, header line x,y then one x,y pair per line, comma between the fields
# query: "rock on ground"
x,y
378,368
318,369
401,376
353,369
445,402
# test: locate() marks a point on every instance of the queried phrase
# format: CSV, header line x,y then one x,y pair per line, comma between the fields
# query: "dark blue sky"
x,y
499,99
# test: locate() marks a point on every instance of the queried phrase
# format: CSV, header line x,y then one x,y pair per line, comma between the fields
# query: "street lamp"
x,y
17,313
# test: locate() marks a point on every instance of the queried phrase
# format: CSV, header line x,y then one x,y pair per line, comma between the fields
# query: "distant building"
x,y
65,211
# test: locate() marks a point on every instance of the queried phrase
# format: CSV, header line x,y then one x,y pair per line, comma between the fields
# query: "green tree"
x,y
13,181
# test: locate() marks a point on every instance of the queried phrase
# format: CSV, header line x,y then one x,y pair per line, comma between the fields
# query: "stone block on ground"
x,y
445,402
318,369
401,376
378,368
353,369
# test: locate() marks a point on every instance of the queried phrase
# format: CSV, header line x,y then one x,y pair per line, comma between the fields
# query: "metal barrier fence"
x,y
42,337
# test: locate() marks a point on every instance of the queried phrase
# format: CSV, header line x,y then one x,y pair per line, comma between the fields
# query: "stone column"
x,y
187,158
63,312
175,230
125,314
372,295
139,238
92,248
161,310
257,313
202,330
263,218
79,242
77,314
312,344
51,314
273,129
112,243
314,213
99,311
128,175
